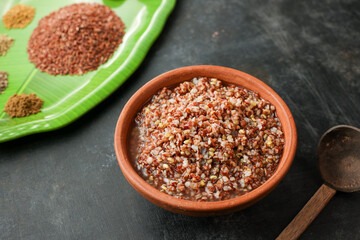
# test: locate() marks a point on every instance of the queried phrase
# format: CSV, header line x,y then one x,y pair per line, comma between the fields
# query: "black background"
x,y
66,184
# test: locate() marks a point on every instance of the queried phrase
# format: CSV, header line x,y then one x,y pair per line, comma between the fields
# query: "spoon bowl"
x,y
339,158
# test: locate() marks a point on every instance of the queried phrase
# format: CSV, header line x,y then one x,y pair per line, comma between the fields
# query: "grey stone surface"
x,y
66,184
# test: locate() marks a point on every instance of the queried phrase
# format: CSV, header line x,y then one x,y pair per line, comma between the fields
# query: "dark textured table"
x,y
67,184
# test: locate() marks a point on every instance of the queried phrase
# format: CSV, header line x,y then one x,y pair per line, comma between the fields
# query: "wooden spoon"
x,y
339,163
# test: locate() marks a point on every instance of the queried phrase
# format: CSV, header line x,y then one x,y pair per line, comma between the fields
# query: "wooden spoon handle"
x,y
307,214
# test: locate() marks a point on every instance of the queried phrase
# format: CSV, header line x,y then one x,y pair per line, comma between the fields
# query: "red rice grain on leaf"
x,y
75,39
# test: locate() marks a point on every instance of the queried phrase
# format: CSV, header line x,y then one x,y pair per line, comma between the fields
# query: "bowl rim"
x,y
165,200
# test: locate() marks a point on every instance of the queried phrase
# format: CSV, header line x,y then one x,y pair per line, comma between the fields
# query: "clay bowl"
x,y
175,77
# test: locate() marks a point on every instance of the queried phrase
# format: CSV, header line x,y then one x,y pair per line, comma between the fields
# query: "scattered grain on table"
x,y
75,39
3,81
22,105
19,16
5,43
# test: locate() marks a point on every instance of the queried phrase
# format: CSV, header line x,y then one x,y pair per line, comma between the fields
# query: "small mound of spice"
x,y
3,81
19,16
22,105
75,39
5,43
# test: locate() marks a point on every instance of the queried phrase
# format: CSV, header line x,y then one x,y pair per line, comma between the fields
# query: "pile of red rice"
x,y
75,39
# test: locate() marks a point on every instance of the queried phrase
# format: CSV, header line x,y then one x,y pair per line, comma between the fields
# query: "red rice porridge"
x,y
206,141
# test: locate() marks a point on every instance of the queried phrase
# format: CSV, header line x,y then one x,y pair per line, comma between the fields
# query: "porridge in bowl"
x,y
207,141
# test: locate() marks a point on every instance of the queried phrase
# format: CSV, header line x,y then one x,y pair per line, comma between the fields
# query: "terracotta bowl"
x,y
193,208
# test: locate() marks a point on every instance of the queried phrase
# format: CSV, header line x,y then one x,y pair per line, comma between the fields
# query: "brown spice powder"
x,y
5,43
22,105
75,39
19,16
3,81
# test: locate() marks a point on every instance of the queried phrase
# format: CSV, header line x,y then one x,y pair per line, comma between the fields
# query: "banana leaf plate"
x,y
66,98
